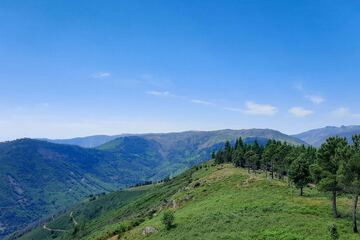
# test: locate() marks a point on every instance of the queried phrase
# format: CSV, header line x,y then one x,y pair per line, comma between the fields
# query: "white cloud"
x,y
300,112
198,101
234,109
344,112
315,99
158,93
260,109
102,75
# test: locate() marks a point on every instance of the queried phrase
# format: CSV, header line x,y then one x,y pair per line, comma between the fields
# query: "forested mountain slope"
x,y
174,152
38,178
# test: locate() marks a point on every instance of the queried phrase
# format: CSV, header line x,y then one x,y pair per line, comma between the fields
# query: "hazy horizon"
x,y
165,132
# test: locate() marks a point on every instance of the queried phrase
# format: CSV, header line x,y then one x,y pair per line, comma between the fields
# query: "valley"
x,y
42,178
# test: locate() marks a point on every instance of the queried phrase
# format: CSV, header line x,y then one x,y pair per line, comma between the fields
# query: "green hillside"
x,y
209,202
172,153
38,178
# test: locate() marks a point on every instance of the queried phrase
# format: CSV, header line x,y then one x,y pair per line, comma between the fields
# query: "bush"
x,y
121,228
334,235
136,222
168,219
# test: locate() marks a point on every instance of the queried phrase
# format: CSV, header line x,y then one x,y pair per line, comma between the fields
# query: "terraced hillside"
x,y
209,202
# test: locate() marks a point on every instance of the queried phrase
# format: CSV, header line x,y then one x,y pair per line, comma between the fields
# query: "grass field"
x,y
214,202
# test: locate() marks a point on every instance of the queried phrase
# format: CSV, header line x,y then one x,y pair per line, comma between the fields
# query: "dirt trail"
x,y
53,229
61,230
73,219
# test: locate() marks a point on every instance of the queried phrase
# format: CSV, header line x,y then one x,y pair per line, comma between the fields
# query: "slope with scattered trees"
x,y
220,200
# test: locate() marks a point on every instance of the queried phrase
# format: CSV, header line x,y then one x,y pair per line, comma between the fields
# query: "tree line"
x,y
333,168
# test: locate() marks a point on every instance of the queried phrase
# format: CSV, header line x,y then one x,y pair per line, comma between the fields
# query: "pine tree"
x,y
299,172
268,156
228,152
349,175
326,167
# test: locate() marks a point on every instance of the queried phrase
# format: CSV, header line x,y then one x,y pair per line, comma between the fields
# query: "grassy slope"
x,y
228,204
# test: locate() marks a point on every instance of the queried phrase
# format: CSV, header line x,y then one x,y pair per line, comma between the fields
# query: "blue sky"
x,y
76,68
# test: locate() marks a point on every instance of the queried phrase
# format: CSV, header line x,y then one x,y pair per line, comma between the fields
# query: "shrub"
x,y
334,235
121,228
168,219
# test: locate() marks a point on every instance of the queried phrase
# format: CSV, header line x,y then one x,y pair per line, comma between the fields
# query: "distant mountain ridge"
x,y
97,140
316,137
86,142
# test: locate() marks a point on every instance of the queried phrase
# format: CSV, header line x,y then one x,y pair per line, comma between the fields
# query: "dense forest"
x,y
333,168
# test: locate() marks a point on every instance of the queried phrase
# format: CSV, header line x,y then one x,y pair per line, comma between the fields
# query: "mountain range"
x,y
318,136
42,177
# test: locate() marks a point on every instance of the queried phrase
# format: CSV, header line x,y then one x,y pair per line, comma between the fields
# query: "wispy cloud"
x,y
300,112
315,99
344,112
198,101
155,81
231,109
253,108
102,75
159,93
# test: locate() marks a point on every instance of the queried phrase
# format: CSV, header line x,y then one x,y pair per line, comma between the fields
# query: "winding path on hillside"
x,y
53,229
73,219
61,230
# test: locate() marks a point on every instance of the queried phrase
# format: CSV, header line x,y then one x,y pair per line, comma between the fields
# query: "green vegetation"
x,y
209,201
168,219
299,172
334,168
38,178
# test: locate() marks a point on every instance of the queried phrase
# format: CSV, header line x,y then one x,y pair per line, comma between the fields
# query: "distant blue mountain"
x,y
316,137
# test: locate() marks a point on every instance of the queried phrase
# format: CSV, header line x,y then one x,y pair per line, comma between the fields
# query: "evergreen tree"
x,y
238,157
329,159
279,158
268,156
228,152
299,172
219,157
349,175
252,159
